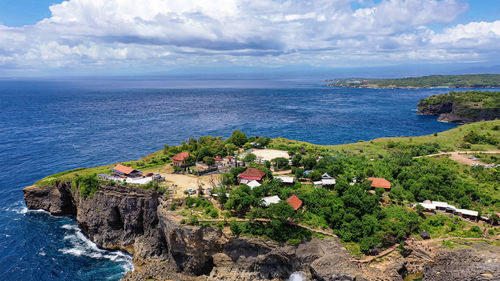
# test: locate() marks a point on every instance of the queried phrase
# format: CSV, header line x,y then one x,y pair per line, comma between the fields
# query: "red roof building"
x,y
180,158
380,182
295,202
252,174
125,171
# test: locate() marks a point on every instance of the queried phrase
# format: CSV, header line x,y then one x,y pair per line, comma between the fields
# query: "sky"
x,y
123,37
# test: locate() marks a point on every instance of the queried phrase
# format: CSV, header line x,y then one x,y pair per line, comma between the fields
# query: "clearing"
x,y
270,154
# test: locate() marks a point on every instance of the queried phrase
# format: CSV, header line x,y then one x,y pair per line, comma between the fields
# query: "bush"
x,y
88,185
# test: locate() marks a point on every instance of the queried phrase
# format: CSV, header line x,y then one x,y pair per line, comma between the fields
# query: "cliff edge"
x,y
136,221
462,107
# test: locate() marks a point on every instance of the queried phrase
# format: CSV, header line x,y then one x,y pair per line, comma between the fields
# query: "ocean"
x,y
49,126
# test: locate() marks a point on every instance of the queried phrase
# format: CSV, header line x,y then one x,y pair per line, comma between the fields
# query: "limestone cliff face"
x,y
451,112
135,220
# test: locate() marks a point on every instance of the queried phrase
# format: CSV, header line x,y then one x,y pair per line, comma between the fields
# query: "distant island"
x,y
462,107
433,81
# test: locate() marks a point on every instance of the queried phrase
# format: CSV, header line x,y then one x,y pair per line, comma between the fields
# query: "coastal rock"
x,y
478,262
56,199
134,220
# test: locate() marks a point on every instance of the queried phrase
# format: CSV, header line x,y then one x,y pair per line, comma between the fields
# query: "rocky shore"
x,y
138,222
451,109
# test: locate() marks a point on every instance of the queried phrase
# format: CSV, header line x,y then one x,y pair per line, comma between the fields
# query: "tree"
x,y
494,219
262,141
209,160
280,163
308,162
280,211
230,148
238,138
250,157
296,160
241,200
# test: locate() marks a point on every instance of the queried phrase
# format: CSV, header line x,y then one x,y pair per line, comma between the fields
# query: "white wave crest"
x,y
297,276
82,246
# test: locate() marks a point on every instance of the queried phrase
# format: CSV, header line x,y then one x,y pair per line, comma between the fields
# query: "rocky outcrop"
x,y
134,220
449,110
479,261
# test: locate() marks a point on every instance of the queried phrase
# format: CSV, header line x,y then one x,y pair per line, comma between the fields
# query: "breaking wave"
x,y
79,245
297,276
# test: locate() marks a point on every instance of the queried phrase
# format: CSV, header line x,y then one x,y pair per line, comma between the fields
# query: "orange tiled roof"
x,y
252,174
182,156
123,169
295,202
380,182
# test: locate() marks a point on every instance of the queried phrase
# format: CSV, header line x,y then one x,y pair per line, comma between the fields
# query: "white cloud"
x,y
266,32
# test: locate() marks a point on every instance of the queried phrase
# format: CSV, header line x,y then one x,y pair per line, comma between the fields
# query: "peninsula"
x,y
433,81
462,107
254,208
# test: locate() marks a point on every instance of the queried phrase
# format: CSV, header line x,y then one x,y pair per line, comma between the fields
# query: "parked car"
x,y
191,191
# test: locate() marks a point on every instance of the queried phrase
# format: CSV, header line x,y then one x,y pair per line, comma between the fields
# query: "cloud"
x,y
172,33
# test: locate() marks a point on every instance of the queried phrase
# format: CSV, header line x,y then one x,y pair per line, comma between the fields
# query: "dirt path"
x,y
462,157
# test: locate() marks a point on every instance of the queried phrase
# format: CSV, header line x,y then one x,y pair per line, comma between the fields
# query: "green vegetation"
x,y
433,81
366,220
87,185
463,106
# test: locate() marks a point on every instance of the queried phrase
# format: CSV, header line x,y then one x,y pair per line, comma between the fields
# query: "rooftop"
x,y
295,202
182,156
252,174
380,182
123,169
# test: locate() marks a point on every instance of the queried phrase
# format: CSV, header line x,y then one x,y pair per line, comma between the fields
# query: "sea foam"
x,y
80,245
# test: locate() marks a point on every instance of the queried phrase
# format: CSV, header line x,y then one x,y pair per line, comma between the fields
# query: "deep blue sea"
x,y
48,126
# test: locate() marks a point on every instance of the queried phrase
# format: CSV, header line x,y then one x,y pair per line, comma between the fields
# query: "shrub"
x,y
88,185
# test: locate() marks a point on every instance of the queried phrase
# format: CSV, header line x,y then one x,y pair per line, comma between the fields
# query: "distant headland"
x,y
433,81
462,107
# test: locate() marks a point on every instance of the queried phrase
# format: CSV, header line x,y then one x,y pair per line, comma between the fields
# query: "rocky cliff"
x,y
135,221
462,107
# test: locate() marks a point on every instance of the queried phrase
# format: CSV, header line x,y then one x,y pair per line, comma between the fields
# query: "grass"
x,y
450,140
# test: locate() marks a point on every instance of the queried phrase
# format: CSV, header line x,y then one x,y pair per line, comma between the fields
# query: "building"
x,y
433,206
326,181
468,214
266,201
180,159
125,171
109,177
253,184
286,180
251,174
380,183
295,202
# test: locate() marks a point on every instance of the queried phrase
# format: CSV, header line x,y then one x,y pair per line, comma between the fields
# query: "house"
x,y
295,202
443,206
253,184
180,159
380,182
428,206
251,174
469,214
125,171
109,177
286,180
266,201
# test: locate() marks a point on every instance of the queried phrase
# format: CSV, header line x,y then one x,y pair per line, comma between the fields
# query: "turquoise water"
x,y
52,126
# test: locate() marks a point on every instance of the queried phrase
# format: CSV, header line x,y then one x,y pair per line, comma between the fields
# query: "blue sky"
x,y
81,37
